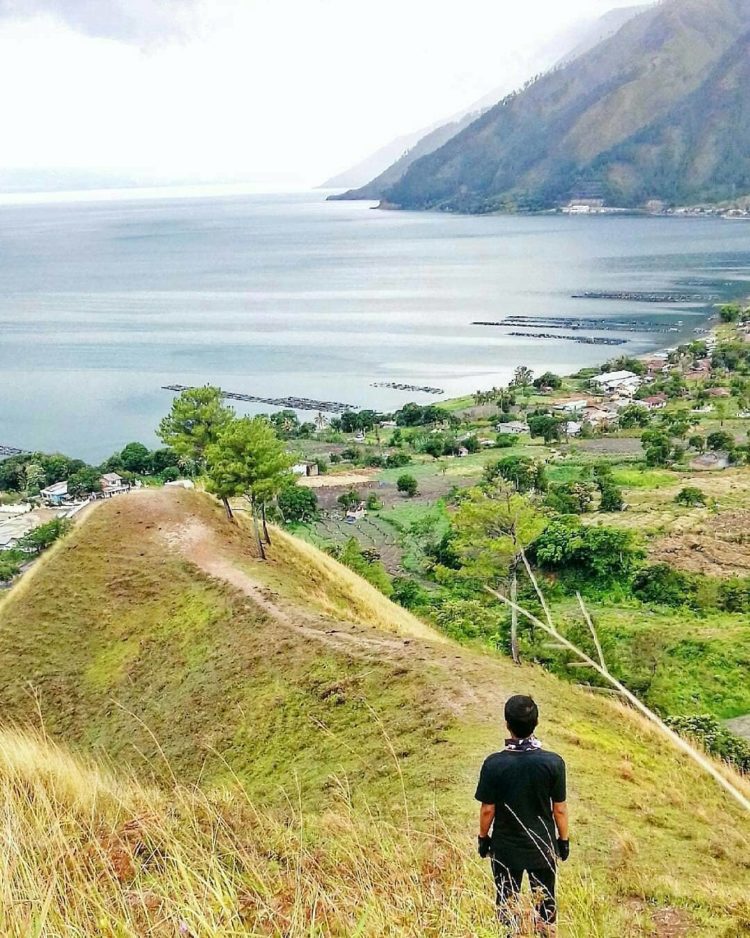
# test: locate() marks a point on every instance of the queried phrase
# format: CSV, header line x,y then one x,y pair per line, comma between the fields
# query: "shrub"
x,y
661,583
690,496
407,485
373,503
714,738
730,312
570,498
611,497
297,503
408,593
720,440
734,595
397,460
371,570
350,499
443,553
588,556
45,535
8,569
471,619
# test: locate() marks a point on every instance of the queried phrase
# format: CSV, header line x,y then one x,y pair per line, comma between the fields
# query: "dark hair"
x,y
521,715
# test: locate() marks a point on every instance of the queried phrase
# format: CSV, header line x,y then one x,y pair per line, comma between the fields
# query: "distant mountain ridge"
x,y
657,111
382,169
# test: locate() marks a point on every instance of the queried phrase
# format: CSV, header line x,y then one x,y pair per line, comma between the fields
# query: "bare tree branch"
x,y
590,624
682,744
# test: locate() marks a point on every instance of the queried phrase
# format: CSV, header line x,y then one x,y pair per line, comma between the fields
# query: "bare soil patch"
x,y
608,446
342,480
719,545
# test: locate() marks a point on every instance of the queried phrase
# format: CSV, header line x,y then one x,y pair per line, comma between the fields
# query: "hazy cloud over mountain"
x,y
142,22
235,90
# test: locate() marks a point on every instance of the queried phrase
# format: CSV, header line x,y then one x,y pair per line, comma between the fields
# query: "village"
x,y
56,503
347,457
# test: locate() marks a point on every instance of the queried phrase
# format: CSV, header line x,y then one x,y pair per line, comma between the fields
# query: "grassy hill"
x,y
655,112
305,755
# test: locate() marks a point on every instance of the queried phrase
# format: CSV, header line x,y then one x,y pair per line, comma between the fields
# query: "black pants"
x,y
542,882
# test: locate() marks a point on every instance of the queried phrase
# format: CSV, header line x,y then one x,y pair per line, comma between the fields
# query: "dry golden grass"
x,y
336,590
85,854
135,650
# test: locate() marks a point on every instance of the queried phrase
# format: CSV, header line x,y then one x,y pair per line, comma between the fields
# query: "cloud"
x,y
139,22
233,90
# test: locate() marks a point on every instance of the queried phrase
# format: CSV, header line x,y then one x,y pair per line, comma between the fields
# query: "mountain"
x,y
657,111
377,162
422,145
286,750
592,33
374,175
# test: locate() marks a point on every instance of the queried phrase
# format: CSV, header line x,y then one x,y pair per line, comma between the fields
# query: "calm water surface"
x,y
101,303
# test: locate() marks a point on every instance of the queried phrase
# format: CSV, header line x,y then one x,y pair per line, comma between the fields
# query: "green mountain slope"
x,y
411,149
423,146
615,122
153,635
699,151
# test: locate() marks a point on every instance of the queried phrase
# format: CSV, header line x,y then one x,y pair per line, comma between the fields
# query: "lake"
x,y
103,302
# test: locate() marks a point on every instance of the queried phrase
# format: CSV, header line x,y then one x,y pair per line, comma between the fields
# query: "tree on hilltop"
x,y
248,460
195,421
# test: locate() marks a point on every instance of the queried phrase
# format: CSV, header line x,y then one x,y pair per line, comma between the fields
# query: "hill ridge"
x,y
126,641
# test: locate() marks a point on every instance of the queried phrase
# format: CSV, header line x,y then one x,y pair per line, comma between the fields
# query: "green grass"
x,y
642,478
680,662
453,467
125,643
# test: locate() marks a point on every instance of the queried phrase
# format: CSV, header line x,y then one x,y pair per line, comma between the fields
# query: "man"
x,y
522,791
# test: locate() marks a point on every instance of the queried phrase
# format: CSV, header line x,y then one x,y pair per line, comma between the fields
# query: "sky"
x,y
278,93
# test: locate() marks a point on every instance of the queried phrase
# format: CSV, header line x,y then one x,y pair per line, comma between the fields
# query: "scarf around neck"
x,y
522,745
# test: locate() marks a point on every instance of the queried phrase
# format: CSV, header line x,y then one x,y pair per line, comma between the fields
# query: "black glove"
x,y
483,846
563,848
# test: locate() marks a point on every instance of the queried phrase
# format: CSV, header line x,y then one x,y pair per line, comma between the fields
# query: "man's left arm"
x,y
486,817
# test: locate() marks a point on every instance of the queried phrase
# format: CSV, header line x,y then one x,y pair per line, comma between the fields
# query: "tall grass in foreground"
x,y
82,853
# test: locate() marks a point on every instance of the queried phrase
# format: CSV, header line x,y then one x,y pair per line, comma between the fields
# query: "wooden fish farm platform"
x,y
11,451
581,339
637,297
292,403
394,385
599,324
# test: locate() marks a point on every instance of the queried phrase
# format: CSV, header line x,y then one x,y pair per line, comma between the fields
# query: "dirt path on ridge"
x,y
199,545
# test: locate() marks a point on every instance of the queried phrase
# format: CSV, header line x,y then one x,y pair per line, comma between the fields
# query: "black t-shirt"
x,y
523,785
